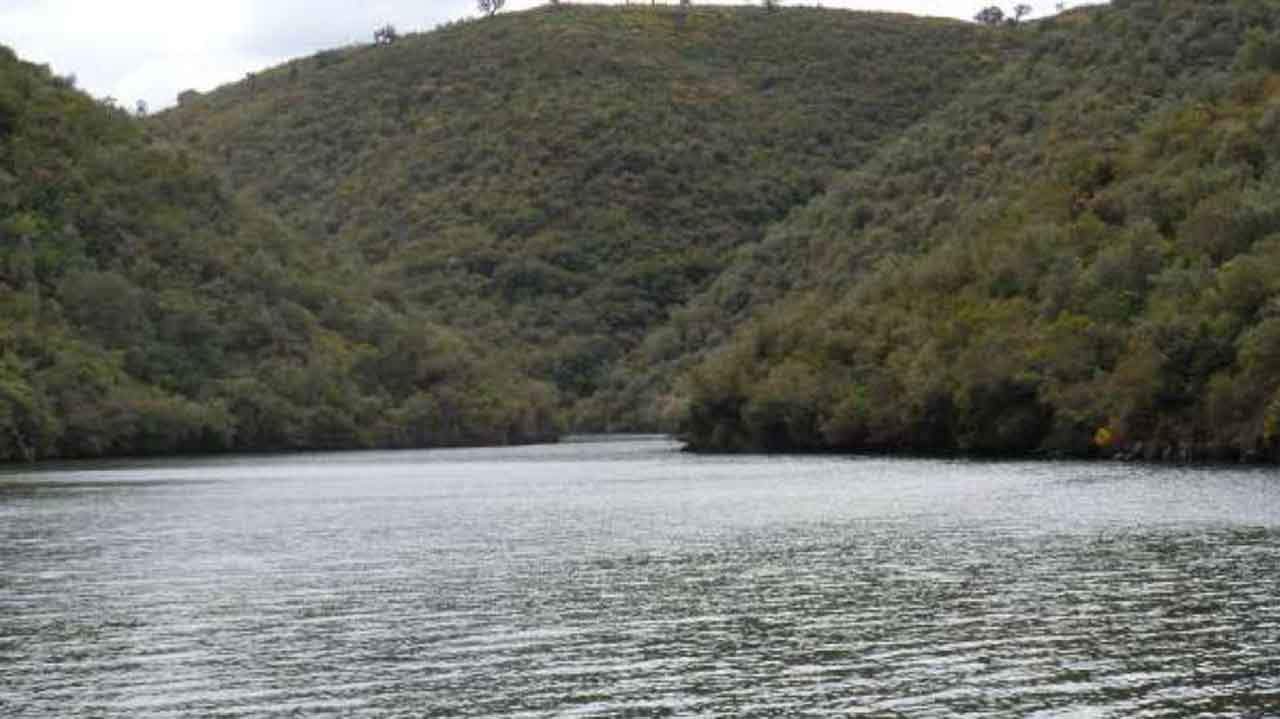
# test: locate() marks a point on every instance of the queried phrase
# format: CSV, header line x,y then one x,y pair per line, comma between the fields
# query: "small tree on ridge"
x,y
991,15
385,35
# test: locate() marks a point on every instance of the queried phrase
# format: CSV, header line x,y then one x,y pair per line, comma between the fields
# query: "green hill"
x,y
144,309
557,183
801,230
1078,255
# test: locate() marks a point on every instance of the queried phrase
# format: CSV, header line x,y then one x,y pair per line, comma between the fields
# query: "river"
x,y
624,578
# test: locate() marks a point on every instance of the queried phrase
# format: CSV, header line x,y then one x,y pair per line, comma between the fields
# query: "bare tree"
x,y
1020,11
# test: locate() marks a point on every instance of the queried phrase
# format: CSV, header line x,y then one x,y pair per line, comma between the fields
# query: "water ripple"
x,y
628,580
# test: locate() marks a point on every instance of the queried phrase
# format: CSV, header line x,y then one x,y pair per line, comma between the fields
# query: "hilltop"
x,y
556,183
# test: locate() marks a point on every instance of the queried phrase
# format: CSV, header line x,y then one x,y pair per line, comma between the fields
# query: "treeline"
x,y
1079,257
144,309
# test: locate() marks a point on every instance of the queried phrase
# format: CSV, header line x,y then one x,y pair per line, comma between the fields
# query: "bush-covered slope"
x,y
1081,254
556,182
144,310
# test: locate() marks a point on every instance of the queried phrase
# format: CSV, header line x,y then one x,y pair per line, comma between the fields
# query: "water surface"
x,y
627,579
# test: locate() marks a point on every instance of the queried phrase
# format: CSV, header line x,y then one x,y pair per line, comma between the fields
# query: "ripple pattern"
x,y
630,581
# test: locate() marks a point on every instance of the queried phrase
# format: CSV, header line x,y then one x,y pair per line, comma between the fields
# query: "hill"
x,y
144,309
1077,256
804,230
556,183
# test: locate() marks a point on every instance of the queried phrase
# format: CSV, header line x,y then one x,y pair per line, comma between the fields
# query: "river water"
x,y
627,579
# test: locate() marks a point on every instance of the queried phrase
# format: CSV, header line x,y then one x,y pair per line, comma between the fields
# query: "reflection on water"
x,y
627,579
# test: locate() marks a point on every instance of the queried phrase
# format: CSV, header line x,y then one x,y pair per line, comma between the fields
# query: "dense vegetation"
x,y
1080,254
144,309
555,183
794,230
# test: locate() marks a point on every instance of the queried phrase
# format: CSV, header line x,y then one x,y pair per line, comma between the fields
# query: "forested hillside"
x,y
144,309
800,230
1079,255
556,183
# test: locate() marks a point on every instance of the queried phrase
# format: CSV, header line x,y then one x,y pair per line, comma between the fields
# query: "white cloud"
x,y
153,49
130,49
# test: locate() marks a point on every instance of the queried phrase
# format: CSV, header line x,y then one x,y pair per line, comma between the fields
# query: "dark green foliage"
x,y
991,15
145,310
1261,50
1068,263
557,182
840,231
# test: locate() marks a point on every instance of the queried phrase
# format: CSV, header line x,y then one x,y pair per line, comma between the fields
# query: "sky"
x,y
151,50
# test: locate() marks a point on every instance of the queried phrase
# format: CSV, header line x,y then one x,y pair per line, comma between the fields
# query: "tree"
x,y
991,15
1020,11
1261,50
385,35
490,7
771,5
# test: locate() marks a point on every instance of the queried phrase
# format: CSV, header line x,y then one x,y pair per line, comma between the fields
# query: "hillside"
x,y
556,183
1077,256
145,310
805,230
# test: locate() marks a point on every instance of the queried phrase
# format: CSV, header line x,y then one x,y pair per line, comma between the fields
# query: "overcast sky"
x,y
152,49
